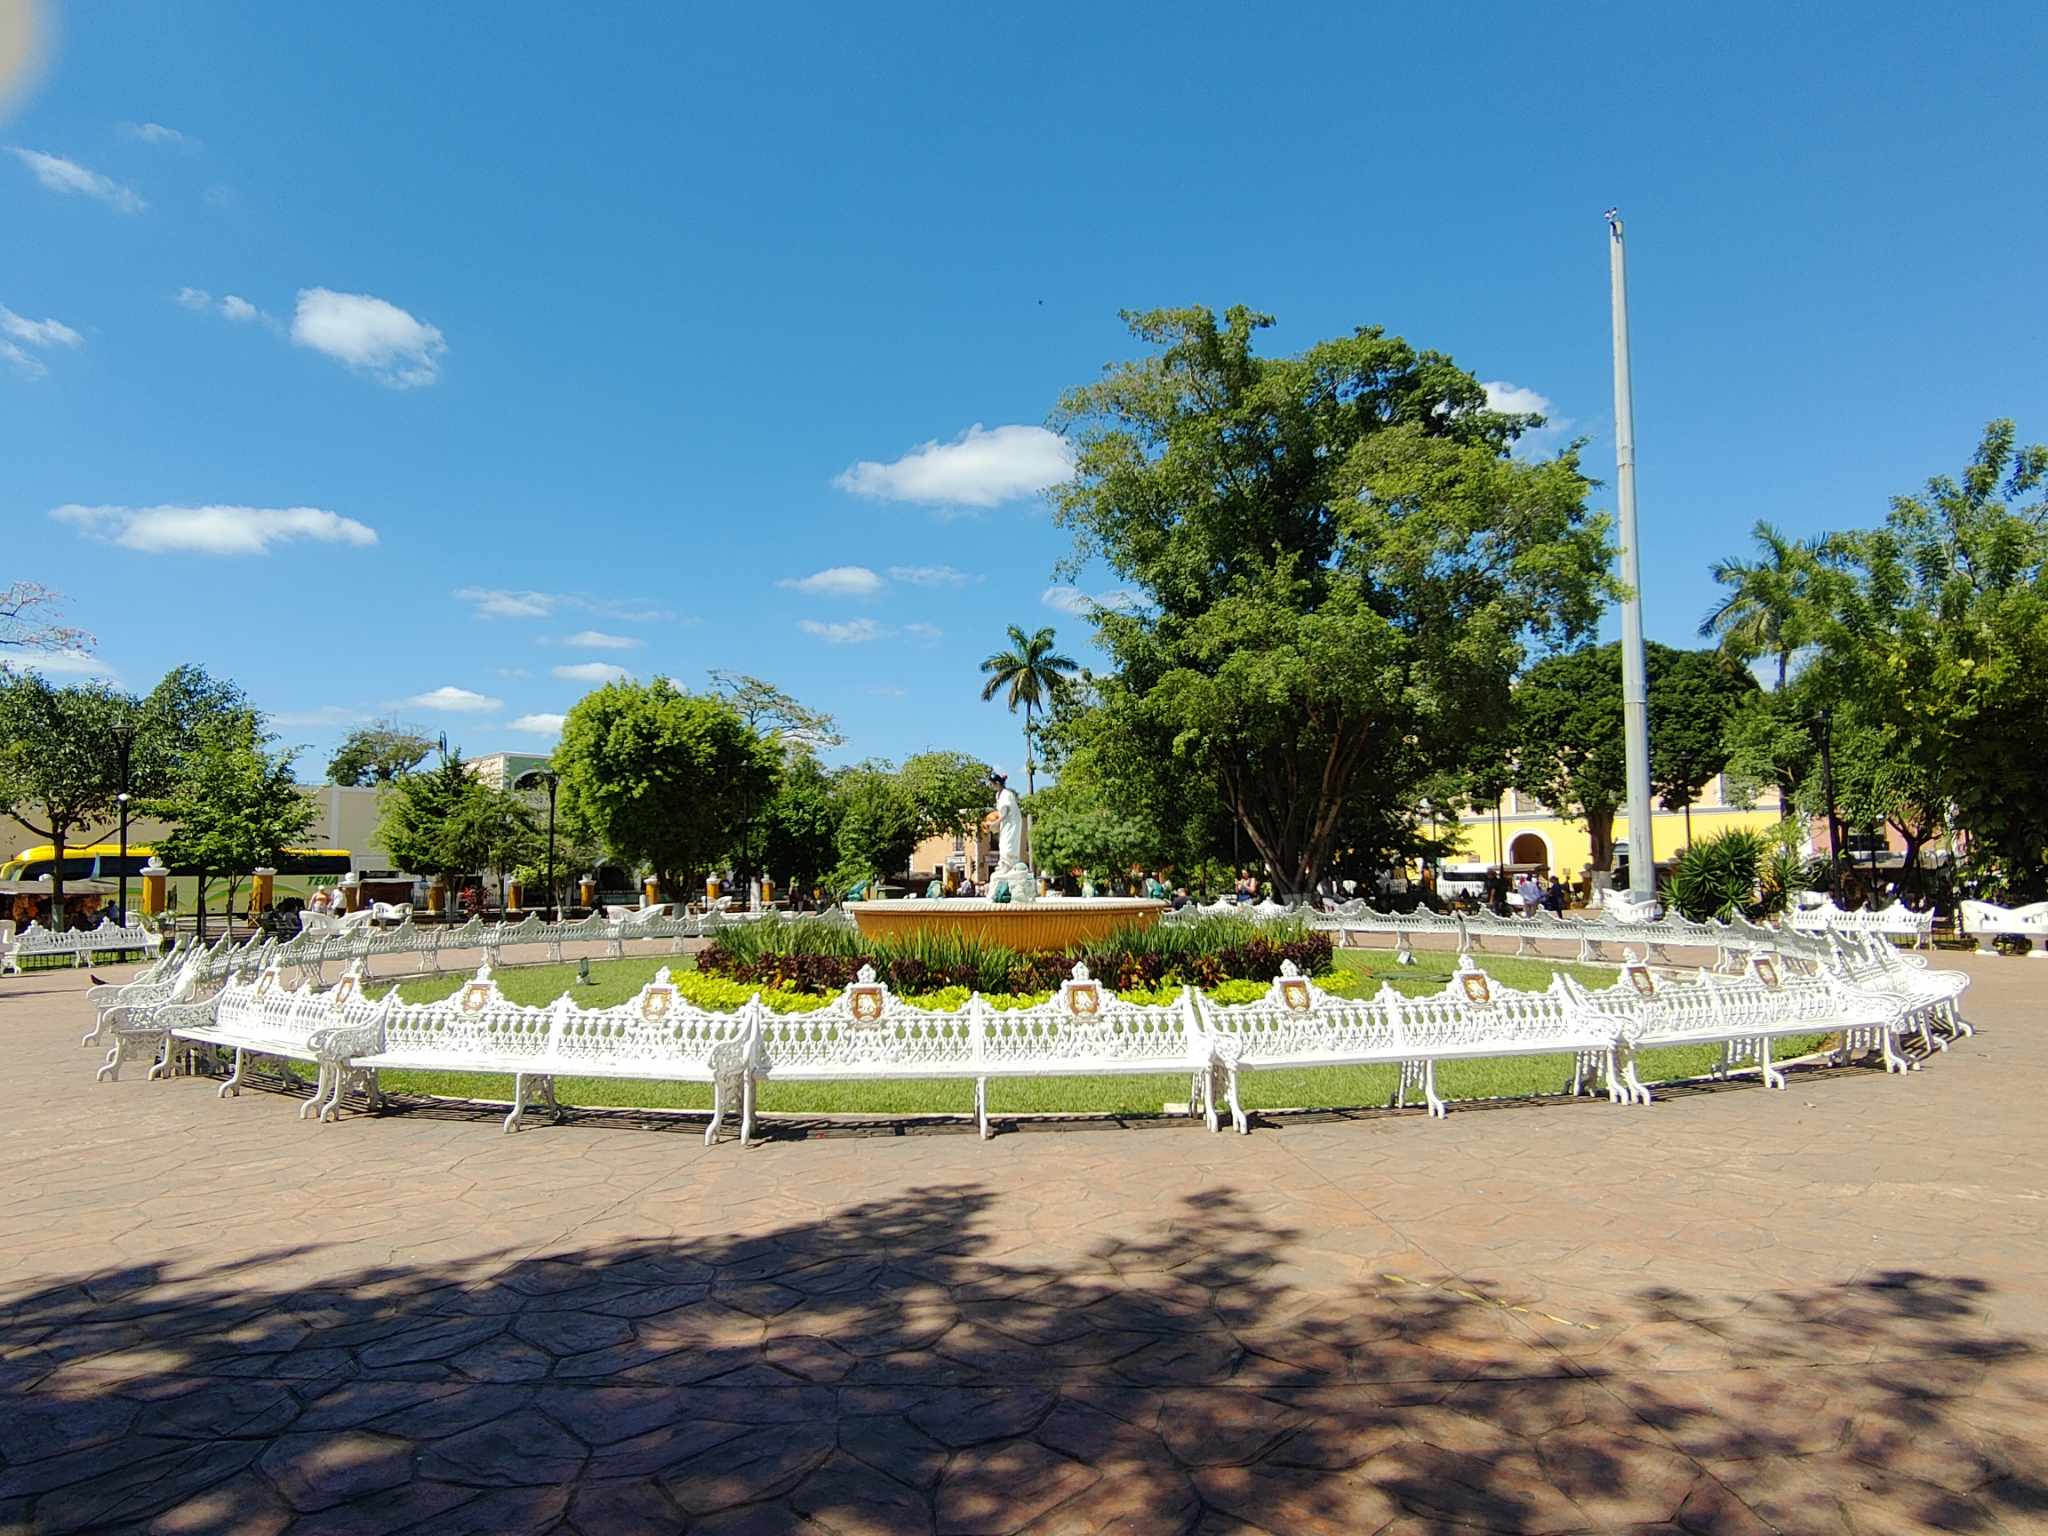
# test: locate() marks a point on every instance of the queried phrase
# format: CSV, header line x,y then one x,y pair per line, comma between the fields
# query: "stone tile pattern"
x,y
1735,1311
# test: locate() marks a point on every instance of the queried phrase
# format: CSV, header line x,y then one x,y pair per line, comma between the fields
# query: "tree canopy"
x,y
664,776
67,753
378,753
1031,673
1336,553
1937,623
885,811
422,815
235,807
1568,731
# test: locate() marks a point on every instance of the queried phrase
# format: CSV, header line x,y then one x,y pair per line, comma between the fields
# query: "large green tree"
x,y
1568,731
885,811
422,817
1694,697
68,753
664,776
1568,740
1334,549
234,807
797,731
1031,673
1939,625
799,826
378,753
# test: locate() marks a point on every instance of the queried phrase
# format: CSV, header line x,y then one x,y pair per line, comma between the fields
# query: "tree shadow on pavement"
x,y
909,1365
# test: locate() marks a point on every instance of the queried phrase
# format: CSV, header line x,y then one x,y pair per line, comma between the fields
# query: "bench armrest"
x,y
344,1042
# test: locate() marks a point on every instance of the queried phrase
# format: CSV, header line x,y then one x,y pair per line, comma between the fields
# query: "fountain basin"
x,y
1049,923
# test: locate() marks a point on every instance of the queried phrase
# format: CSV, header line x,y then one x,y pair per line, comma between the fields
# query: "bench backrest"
x,y
654,1029
476,1023
1086,1027
1298,1021
866,1030
1476,1014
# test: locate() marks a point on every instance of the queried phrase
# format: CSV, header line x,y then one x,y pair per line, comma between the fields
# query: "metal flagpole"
x,y
1635,693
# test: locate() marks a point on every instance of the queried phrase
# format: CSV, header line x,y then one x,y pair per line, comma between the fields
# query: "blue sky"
x,y
394,359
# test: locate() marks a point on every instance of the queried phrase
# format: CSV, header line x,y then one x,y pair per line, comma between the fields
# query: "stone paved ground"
x,y
1732,1311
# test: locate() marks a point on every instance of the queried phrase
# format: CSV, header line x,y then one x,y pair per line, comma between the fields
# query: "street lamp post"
x,y
124,752
121,902
529,780
1635,710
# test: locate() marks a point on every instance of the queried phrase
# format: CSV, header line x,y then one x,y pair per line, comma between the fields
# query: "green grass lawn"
x,y
1360,973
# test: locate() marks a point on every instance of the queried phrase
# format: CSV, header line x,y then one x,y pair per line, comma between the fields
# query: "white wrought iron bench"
x,y
1297,1024
78,946
260,1017
1084,1029
1743,1015
654,1036
1987,919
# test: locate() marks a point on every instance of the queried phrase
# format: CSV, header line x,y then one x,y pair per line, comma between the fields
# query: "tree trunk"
x,y
1600,829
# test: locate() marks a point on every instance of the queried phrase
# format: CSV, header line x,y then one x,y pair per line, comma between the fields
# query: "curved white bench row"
x,y
868,1034
346,940
1894,921
78,945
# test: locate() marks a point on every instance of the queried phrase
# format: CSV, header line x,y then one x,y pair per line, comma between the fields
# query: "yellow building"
x,y
1526,832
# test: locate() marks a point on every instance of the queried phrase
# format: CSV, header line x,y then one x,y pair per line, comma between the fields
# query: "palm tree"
x,y
1765,610
1034,673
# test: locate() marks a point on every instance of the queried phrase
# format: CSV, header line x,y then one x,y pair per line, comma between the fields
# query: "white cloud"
x,y
537,725
324,715
854,632
65,663
370,335
1515,399
982,467
496,603
930,576
18,333
501,603
513,672
61,175
38,333
449,699
215,530
924,631
1082,604
232,306
157,133
837,581
598,640
591,672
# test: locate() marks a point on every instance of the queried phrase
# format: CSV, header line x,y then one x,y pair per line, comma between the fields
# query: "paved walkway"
x,y
1733,1311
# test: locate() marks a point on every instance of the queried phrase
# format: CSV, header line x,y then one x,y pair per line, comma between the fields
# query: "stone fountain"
x,y
1013,913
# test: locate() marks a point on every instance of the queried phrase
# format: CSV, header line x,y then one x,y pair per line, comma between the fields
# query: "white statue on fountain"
x,y
1013,866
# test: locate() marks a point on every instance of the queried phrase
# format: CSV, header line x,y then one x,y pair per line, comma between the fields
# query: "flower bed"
x,y
811,958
